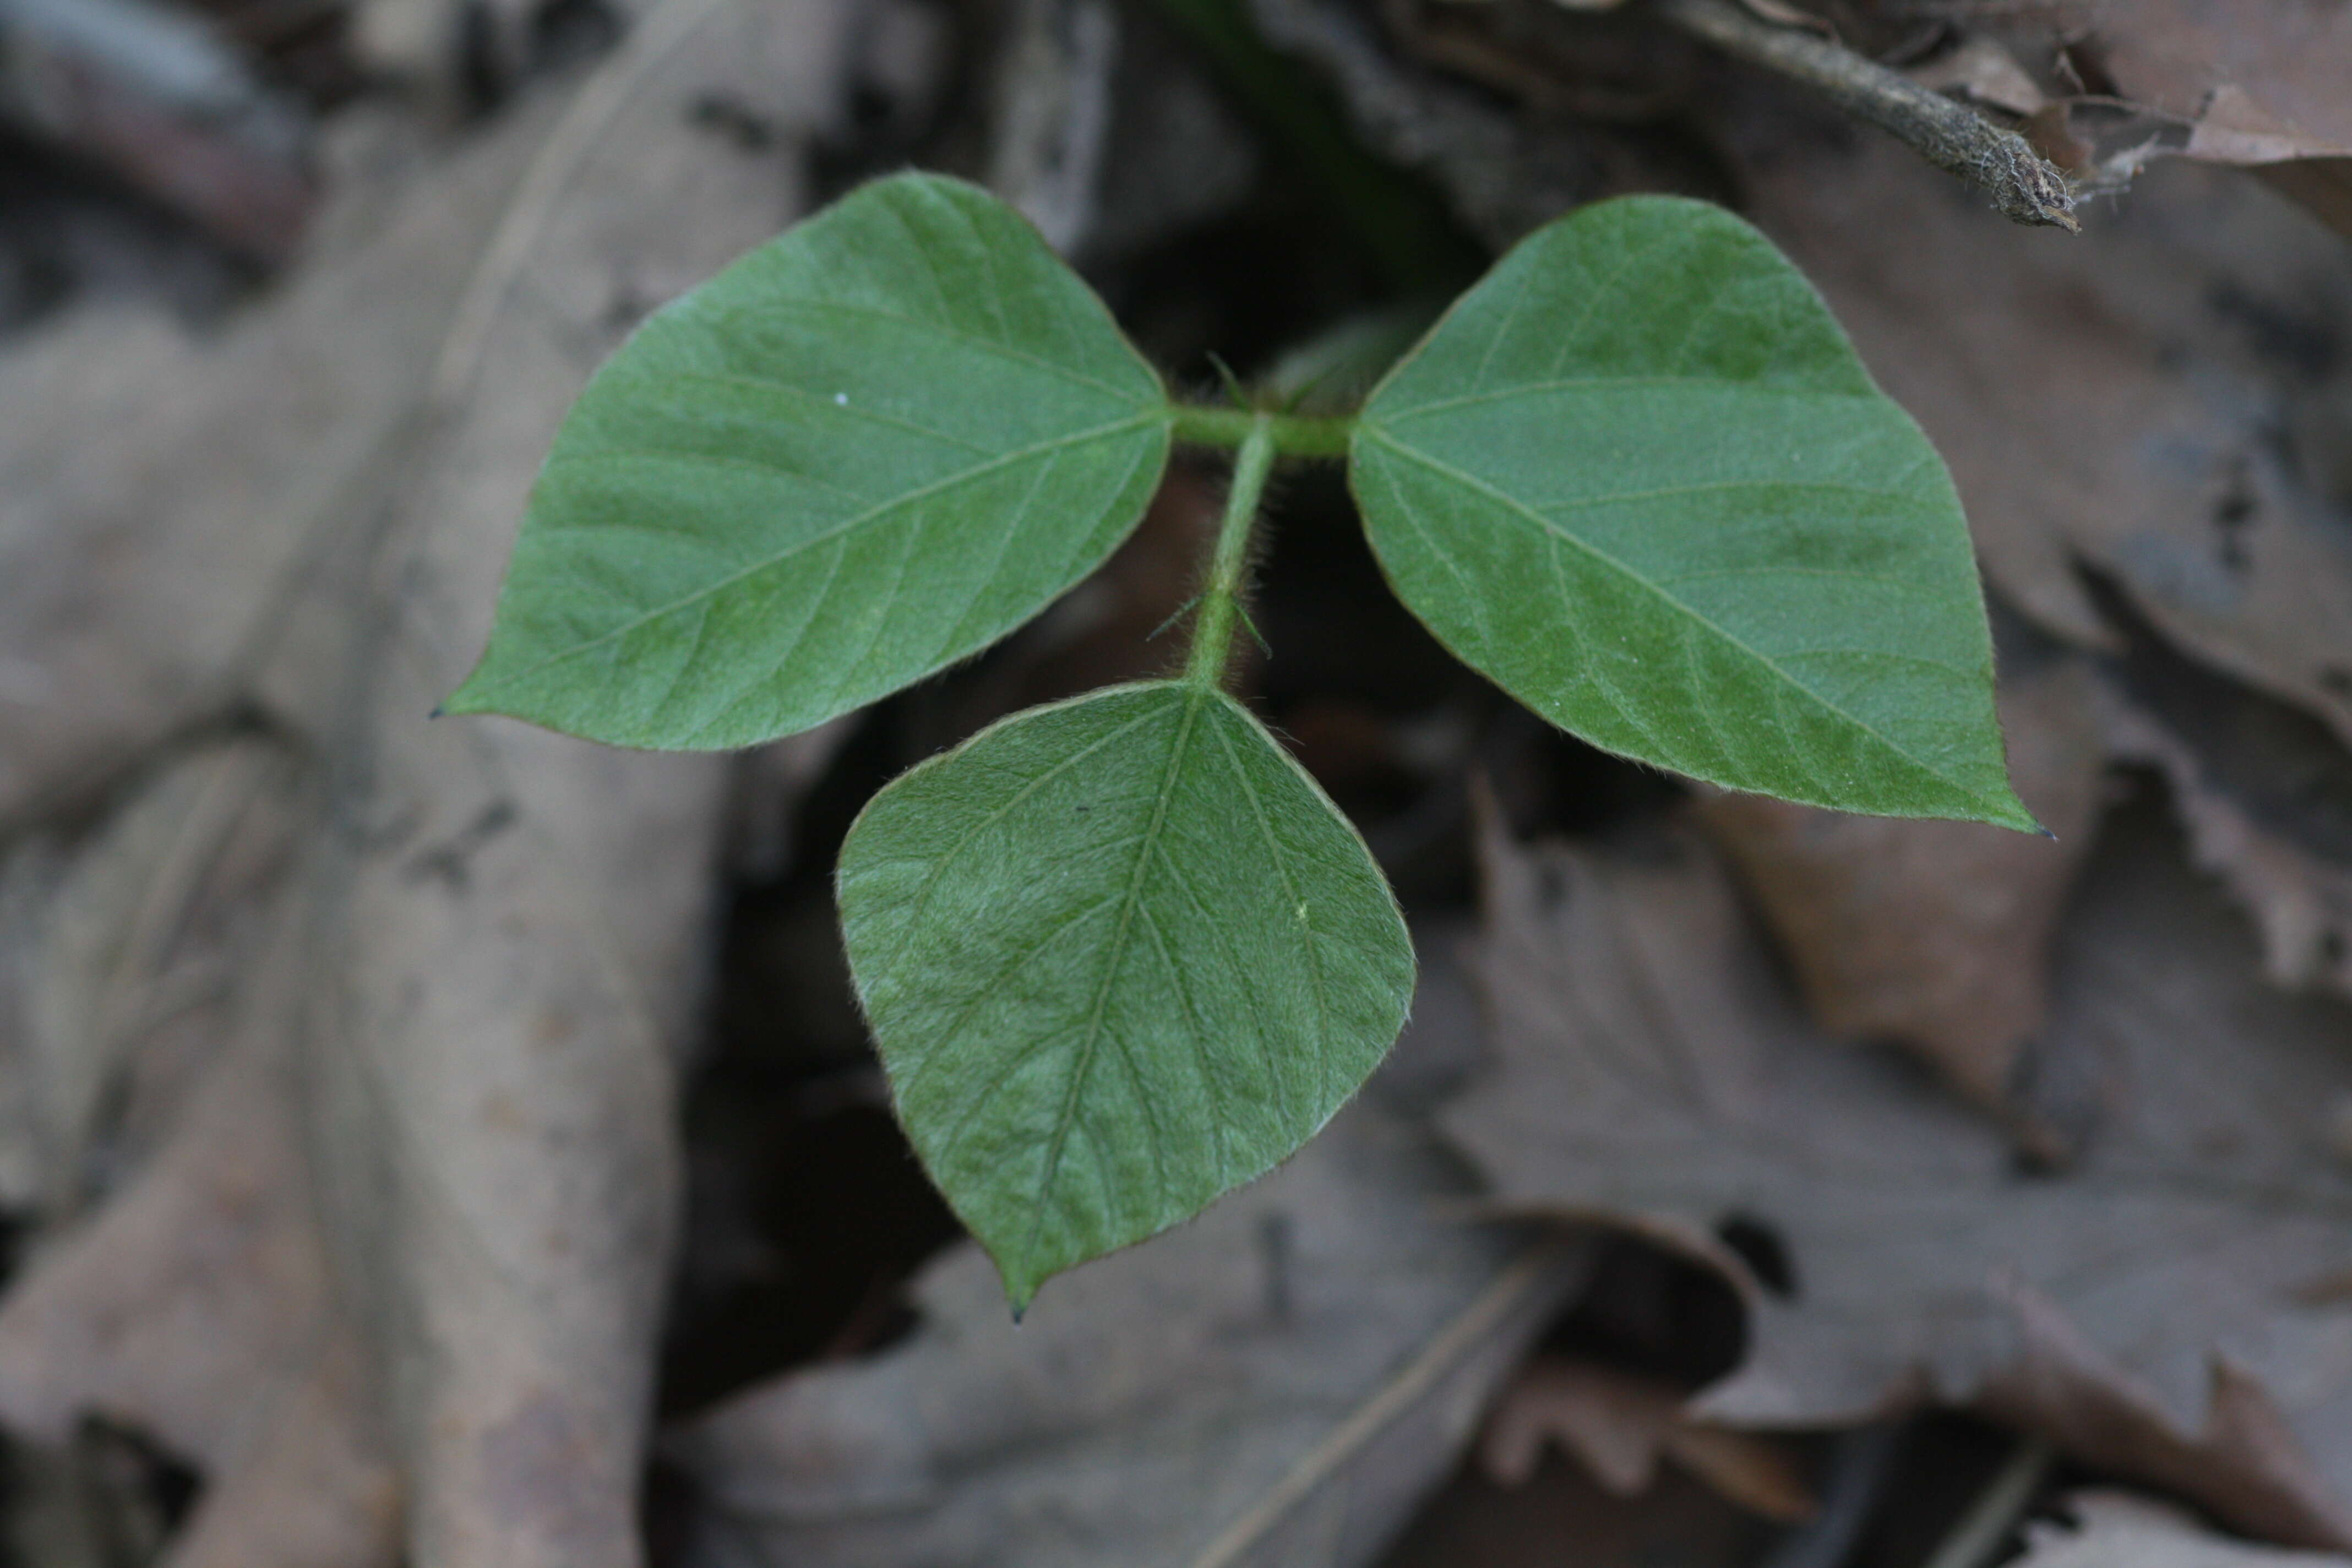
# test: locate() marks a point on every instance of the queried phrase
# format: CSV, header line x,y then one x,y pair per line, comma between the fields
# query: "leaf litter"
x,y
2161,1309
393,1270
2110,87
1939,936
1276,1383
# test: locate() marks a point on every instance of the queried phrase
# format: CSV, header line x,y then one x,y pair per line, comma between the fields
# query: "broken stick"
x,y
2023,185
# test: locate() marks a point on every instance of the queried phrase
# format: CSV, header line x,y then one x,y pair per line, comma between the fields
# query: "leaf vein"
x,y
1512,504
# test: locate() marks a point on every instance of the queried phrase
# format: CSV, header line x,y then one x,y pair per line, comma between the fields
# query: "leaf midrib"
x,y
1615,384
1193,698
1368,429
871,514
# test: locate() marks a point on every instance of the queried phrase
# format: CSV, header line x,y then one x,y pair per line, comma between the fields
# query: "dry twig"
x,y
2024,185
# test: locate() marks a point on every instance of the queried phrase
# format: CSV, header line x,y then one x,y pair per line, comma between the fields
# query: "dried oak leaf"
x,y
2117,1530
2162,1310
1939,935
1620,1427
1278,1381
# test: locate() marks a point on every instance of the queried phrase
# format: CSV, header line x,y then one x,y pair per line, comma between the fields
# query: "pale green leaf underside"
x,y
1120,956
1639,479
868,448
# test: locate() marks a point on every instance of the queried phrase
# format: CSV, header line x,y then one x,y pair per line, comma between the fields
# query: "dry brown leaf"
x,y
516,924
2323,184
1938,934
2109,86
2153,1309
502,958
2264,791
118,960
1276,1383
139,569
1621,1425
195,1306
2117,1530
1982,69
2246,81
198,1307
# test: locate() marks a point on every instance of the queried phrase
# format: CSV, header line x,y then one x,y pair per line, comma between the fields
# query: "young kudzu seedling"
x,y
1121,955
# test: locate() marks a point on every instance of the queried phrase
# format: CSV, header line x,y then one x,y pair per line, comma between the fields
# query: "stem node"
x,y
1213,631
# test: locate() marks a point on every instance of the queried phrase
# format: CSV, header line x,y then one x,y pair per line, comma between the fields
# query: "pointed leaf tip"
x,y
1639,479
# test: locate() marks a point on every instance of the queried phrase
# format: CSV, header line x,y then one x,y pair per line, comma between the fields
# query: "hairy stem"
x,y
2022,184
1293,436
1221,599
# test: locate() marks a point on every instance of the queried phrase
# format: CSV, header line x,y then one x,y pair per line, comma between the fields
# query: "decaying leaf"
x,y
2162,1310
1982,71
139,573
517,918
119,958
2263,789
1275,1383
1621,1425
1939,935
2118,1529
2228,81
491,985
198,1307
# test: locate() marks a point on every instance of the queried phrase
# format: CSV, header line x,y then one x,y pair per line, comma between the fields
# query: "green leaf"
x,y
868,448
1639,479
1120,956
